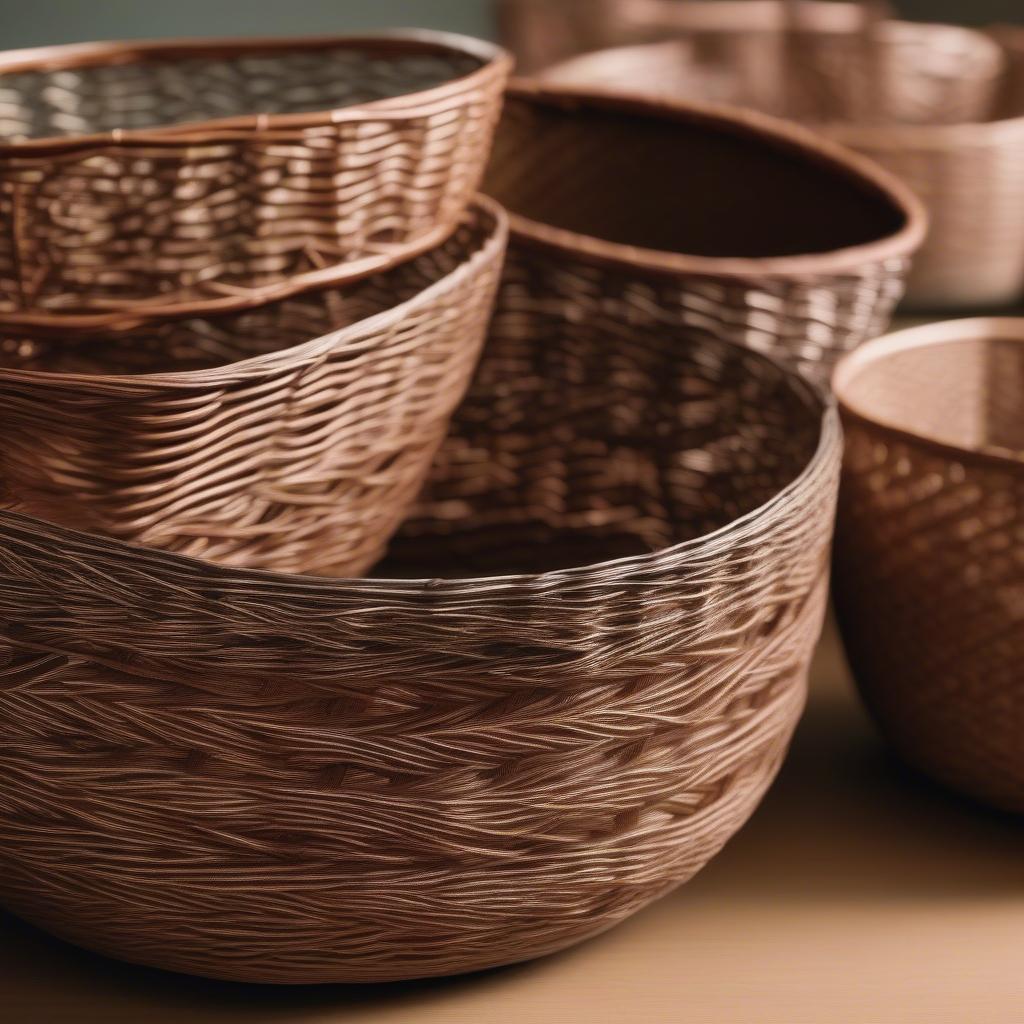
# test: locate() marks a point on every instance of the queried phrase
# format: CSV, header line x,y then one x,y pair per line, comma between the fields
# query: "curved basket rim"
x,y
751,523
780,134
893,137
489,250
931,335
493,60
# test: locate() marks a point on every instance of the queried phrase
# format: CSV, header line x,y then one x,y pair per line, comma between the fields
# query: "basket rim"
x,y
752,524
494,60
481,210
781,135
888,137
930,335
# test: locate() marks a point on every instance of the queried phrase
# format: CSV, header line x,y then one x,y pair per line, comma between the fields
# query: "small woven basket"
x,y
209,175
727,221
291,436
924,101
290,779
930,548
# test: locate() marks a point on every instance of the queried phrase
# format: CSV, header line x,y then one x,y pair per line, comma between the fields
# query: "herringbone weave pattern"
x,y
930,555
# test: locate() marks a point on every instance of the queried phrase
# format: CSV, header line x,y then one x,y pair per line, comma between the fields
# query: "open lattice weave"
x,y
213,174
291,436
930,548
291,779
805,265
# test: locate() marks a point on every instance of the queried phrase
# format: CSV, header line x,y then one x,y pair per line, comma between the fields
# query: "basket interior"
x,y
139,90
196,343
967,393
586,441
696,187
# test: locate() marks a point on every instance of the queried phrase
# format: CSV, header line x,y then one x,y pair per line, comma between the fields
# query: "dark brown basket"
x,y
924,101
731,222
291,436
291,779
209,175
930,547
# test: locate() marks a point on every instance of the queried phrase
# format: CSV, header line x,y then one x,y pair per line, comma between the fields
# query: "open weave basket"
x,y
925,101
291,436
930,549
213,174
730,222
293,779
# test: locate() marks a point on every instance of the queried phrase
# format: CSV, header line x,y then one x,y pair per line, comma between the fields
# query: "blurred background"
x,y
39,22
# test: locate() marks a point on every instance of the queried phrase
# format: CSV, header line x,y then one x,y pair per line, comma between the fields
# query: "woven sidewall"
x,y
569,157
211,175
948,132
929,579
289,779
292,436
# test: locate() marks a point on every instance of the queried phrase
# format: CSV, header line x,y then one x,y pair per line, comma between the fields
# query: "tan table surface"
x,y
857,893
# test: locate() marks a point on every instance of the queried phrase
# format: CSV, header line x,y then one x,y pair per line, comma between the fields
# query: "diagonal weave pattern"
x,y
924,101
209,175
291,436
930,549
288,779
805,266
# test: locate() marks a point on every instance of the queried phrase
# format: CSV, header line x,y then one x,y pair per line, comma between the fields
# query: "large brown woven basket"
x,y
930,551
291,436
293,779
924,101
209,175
732,222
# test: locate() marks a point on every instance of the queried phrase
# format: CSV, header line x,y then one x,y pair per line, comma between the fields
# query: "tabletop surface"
x,y
857,893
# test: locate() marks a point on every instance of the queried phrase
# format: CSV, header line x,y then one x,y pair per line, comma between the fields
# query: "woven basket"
x,y
291,436
945,127
930,553
291,779
209,175
734,223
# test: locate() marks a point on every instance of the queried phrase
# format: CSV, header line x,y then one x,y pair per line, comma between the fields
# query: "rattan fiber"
x,y
930,550
292,779
793,247
209,175
942,124
291,436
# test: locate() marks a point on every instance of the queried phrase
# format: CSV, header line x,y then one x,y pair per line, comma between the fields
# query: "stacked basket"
x,y
932,103
230,353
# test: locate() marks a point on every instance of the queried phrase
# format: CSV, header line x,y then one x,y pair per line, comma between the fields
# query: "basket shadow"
x,y
847,820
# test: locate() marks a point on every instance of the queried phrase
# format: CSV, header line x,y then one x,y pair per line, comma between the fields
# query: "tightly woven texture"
x,y
292,436
930,548
944,124
290,779
805,266
212,175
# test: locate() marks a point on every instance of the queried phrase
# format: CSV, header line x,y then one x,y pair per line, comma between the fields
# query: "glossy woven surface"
x,y
805,266
212,174
930,548
925,101
290,779
291,436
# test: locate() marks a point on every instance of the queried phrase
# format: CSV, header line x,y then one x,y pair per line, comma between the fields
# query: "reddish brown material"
x,y
924,101
291,436
730,222
211,175
930,548
291,779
